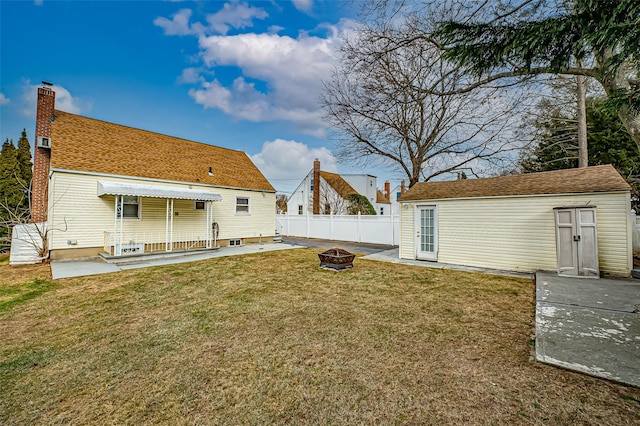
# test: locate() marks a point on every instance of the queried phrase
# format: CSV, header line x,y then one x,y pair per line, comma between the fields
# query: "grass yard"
x,y
271,338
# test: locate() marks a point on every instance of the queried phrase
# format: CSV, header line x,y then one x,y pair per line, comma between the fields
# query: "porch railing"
x,y
148,242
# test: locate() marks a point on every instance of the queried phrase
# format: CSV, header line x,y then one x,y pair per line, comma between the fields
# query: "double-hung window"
x,y
130,208
242,205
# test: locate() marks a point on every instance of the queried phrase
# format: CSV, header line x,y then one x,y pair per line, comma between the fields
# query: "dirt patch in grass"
x,y
271,338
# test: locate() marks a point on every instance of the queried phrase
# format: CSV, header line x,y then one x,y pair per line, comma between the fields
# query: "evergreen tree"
x,y
24,159
608,143
15,180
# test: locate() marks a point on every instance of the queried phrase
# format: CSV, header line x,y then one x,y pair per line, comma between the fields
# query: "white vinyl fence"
x,y
356,228
636,234
26,243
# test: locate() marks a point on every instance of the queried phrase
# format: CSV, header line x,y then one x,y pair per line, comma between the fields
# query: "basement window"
x,y
235,242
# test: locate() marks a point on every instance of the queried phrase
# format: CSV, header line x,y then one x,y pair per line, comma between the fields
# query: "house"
x,y
574,221
394,197
105,188
331,195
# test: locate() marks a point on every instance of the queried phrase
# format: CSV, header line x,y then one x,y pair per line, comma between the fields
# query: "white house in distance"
x,y
330,196
574,221
105,188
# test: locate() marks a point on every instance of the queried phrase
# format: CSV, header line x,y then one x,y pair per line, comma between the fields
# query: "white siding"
x,y
77,213
518,233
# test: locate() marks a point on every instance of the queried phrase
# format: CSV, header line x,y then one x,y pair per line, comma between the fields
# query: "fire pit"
x,y
337,259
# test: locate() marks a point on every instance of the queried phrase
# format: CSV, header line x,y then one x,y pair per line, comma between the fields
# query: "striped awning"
x,y
155,191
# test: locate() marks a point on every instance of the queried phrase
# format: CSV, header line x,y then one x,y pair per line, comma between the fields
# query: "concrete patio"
x,y
589,325
93,266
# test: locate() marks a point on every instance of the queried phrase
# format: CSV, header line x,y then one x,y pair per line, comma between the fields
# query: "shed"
x,y
574,221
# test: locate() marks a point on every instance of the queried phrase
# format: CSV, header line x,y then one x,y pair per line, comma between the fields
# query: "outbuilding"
x,y
574,221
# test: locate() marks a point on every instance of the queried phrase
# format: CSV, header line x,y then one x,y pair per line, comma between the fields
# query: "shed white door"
x,y
576,242
426,233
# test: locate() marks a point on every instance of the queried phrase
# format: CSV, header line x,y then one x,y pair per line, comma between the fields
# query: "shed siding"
x,y
407,242
518,233
77,213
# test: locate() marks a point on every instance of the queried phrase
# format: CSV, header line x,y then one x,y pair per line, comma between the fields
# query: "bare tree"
x,y
36,235
381,102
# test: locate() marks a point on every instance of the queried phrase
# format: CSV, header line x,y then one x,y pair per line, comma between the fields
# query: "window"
x,y
300,208
327,208
381,211
130,207
398,194
198,205
235,242
311,184
242,205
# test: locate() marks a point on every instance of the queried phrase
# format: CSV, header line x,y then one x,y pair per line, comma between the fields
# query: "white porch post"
x,y
208,223
121,221
168,227
171,228
115,224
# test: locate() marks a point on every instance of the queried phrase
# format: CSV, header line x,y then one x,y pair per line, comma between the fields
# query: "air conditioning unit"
x,y
44,142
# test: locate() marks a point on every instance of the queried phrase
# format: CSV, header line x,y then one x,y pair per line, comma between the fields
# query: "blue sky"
x,y
239,74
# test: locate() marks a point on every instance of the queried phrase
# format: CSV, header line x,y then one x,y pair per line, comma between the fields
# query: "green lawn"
x,y
271,338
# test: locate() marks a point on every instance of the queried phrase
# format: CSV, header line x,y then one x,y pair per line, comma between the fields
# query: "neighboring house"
x,y
330,196
106,188
575,221
394,197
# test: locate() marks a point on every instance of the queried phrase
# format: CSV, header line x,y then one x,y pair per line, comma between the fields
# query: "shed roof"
x,y
338,184
569,181
86,144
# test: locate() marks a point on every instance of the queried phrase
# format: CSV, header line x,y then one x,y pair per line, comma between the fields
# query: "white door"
x,y
426,233
576,242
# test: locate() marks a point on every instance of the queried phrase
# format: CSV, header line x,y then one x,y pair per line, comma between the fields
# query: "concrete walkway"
x,y
392,256
589,325
93,266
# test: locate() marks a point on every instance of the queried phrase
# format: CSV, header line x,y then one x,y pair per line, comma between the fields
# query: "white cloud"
x,y
64,100
4,100
234,15
292,70
190,75
177,25
303,5
279,77
287,160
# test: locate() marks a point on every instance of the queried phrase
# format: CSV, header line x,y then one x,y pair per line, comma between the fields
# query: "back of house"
x,y
105,188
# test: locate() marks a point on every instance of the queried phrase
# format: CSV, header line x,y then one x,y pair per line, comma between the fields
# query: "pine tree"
x,y
608,143
24,159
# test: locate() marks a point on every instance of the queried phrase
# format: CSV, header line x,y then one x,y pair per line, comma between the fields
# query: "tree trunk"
x,y
631,122
583,154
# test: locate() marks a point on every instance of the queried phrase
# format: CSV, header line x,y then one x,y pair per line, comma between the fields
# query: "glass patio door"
x,y
426,233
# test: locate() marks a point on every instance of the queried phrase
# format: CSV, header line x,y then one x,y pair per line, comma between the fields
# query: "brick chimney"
x,y
42,156
316,186
402,188
387,190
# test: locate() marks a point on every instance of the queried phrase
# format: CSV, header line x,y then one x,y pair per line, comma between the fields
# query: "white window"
x,y
300,208
198,205
242,205
130,208
381,211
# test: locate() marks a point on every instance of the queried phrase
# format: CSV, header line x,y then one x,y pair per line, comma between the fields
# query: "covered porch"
x,y
136,231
